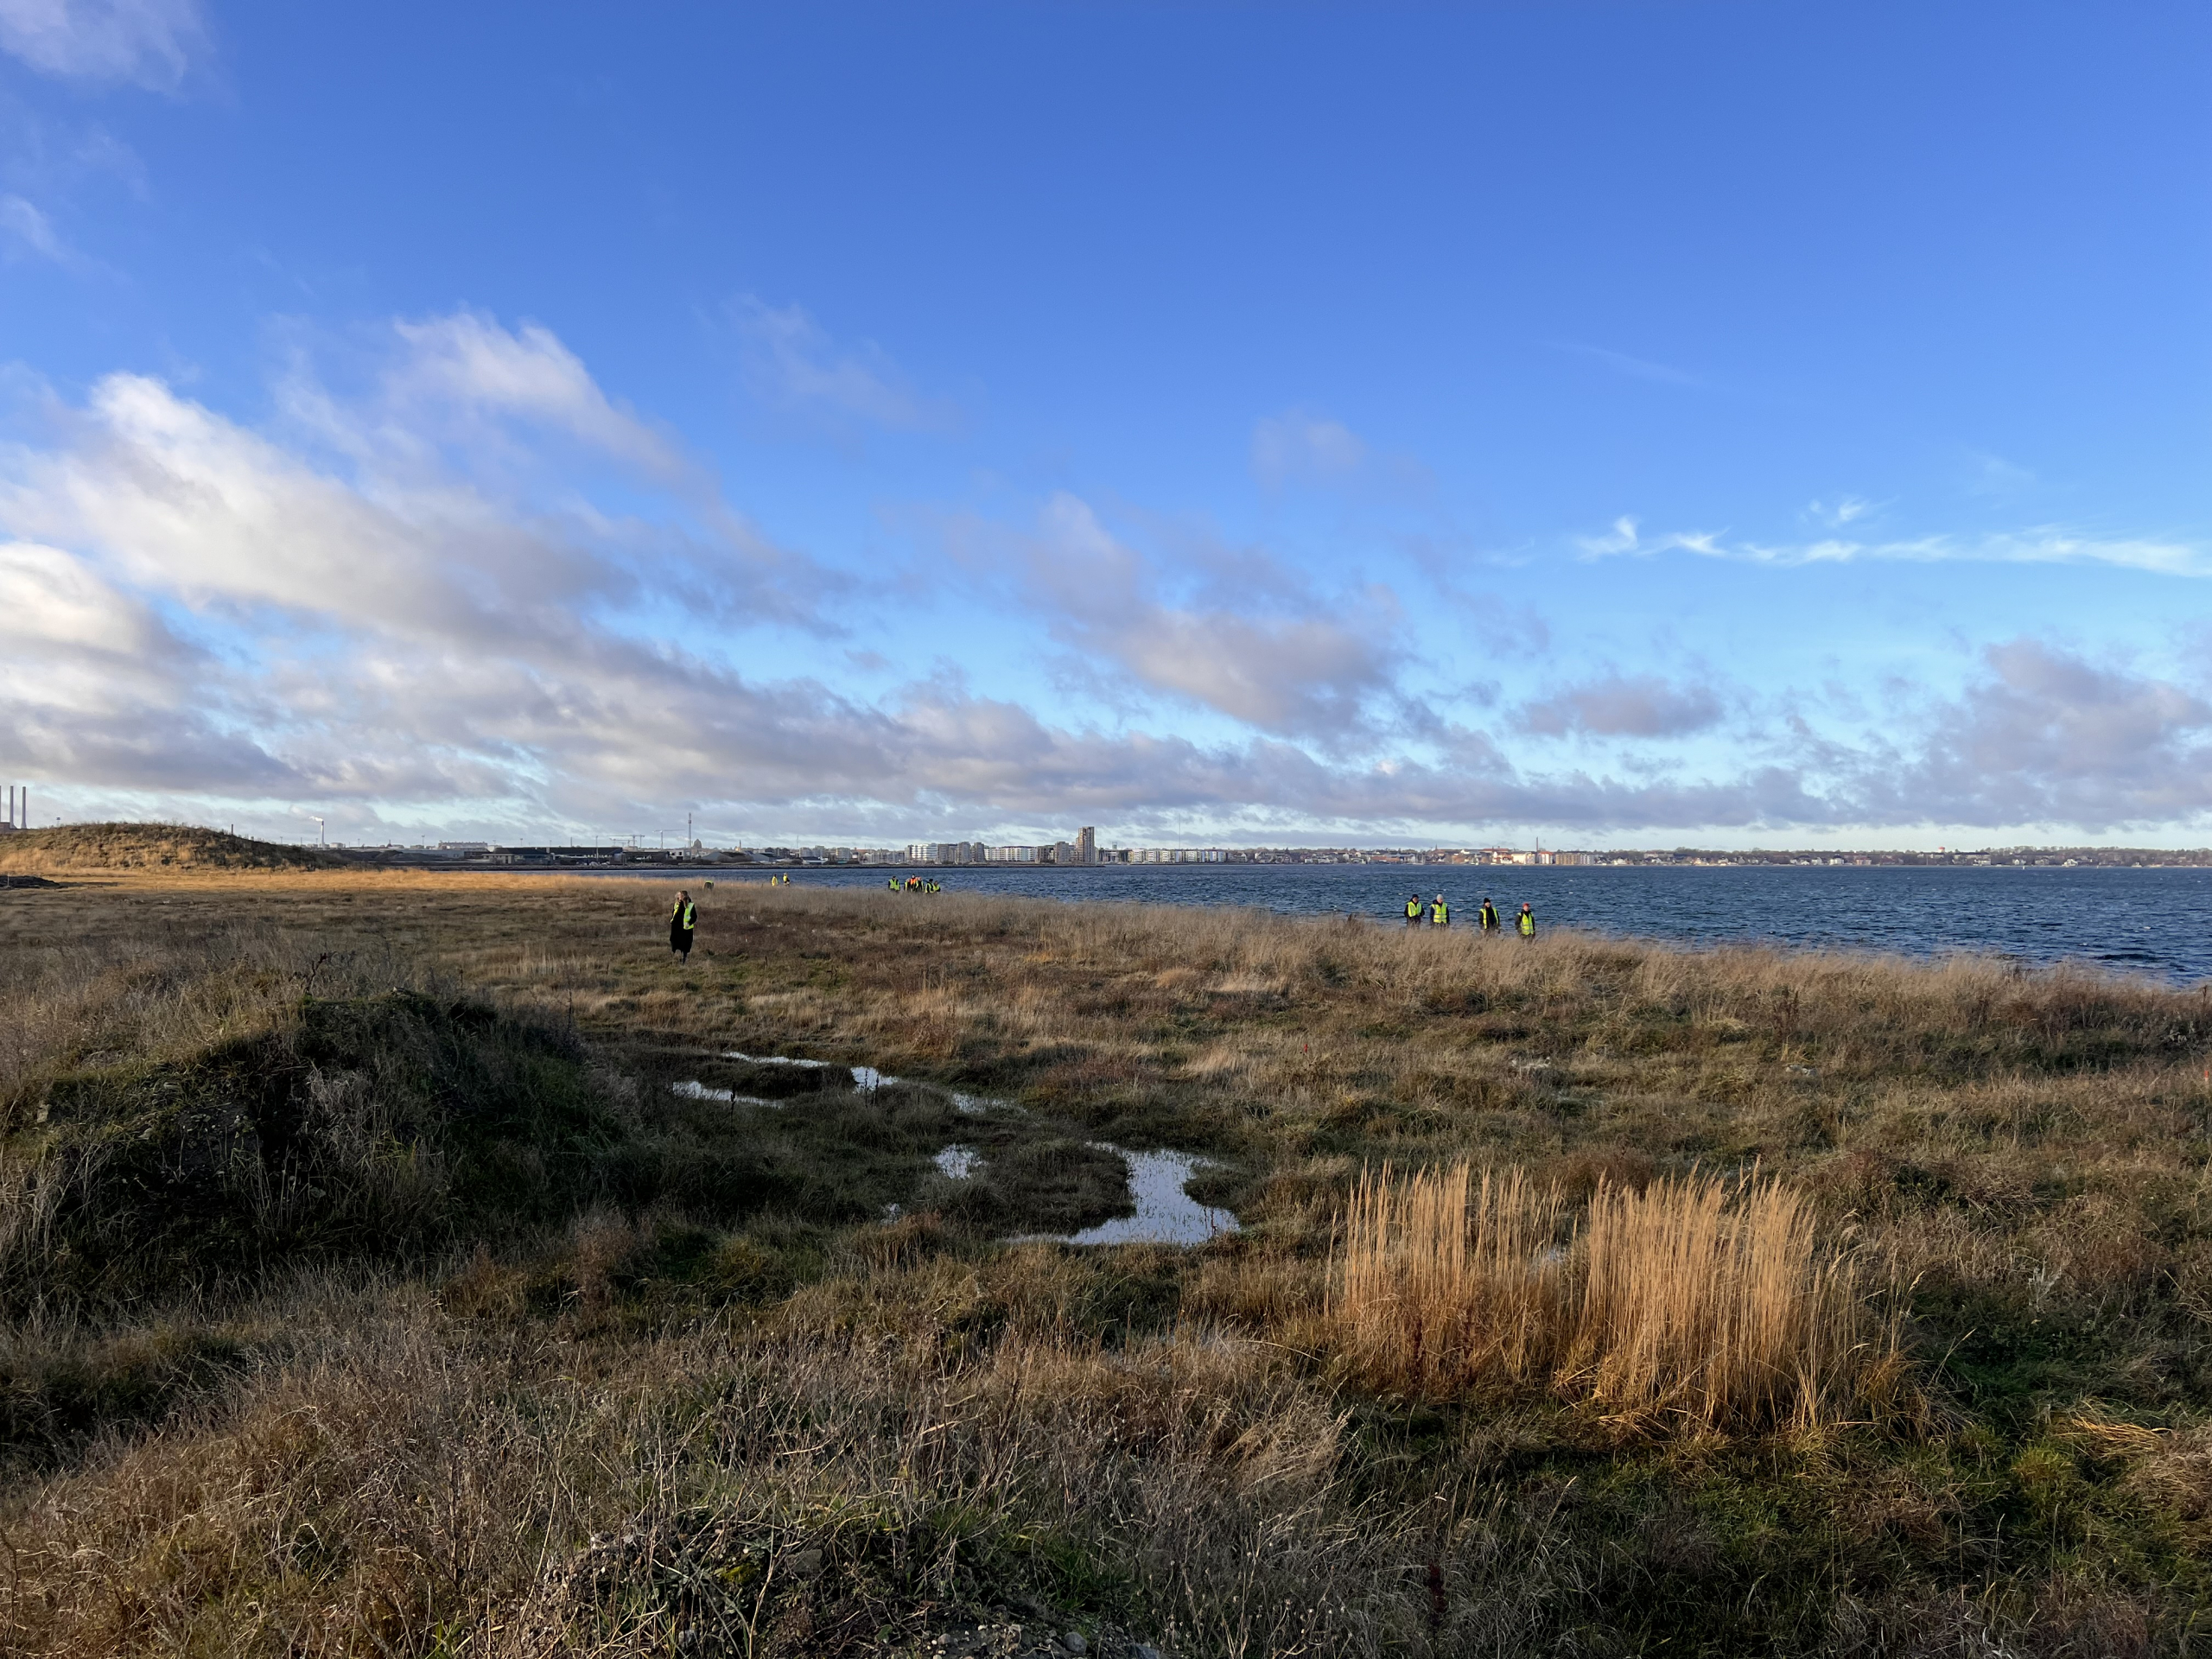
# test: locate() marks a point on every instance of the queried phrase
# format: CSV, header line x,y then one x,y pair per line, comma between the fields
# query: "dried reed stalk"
x,y
1443,1280
1696,1300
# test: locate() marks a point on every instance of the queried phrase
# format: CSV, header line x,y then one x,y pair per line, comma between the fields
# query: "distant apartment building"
x,y
1083,849
947,852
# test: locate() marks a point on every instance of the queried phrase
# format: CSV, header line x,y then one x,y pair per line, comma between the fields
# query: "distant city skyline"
x,y
1613,425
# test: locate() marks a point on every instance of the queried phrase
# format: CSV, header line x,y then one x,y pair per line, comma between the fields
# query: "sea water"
x,y
2155,921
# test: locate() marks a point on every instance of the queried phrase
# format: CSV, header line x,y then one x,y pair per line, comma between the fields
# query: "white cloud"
x,y
1285,660
2044,735
1622,705
1834,515
397,626
2042,544
29,229
1621,539
95,687
467,362
790,362
1300,445
145,42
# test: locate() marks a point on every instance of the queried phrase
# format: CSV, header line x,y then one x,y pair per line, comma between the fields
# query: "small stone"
x,y
1143,1650
1074,1643
803,1563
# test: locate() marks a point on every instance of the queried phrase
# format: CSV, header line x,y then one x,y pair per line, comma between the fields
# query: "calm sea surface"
x,y
2150,921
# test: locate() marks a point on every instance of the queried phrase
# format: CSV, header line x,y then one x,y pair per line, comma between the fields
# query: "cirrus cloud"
x,y
791,362
2040,544
149,43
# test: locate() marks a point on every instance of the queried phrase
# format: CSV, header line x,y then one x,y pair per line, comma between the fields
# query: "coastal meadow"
x,y
407,1263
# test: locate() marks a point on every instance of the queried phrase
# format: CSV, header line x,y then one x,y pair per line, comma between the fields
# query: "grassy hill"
x,y
150,846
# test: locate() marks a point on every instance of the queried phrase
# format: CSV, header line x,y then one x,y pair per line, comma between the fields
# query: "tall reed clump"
x,y
1697,1301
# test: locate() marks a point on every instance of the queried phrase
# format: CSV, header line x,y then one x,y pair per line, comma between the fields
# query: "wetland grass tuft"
x,y
1693,1302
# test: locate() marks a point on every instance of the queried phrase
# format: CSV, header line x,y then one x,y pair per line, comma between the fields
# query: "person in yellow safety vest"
x,y
1439,913
682,922
1526,921
891,882
1413,909
1489,917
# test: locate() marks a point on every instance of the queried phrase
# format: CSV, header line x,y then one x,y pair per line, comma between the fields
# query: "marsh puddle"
x,y
866,1078
957,1163
1167,1214
694,1089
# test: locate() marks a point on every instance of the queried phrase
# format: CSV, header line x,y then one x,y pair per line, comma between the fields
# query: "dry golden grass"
x,y
1693,1300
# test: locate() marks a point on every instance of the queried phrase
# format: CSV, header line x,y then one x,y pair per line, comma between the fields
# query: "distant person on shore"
x,y
1439,913
1526,921
1489,917
1413,910
682,923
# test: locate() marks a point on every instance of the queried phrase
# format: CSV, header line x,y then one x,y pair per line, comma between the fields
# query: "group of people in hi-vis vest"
x,y
914,884
1440,915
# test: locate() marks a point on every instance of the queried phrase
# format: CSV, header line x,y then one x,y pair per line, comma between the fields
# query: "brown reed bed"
x,y
1695,1301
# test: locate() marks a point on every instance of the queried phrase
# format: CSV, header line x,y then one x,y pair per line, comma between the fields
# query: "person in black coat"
x,y
682,923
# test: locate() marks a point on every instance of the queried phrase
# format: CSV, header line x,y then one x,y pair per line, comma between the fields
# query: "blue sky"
x,y
1628,424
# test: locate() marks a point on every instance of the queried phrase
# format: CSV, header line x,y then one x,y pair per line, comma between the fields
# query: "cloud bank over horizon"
x,y
479,589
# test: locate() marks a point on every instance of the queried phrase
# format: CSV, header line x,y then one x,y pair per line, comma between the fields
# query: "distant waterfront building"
x,y
952,852
1086,845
